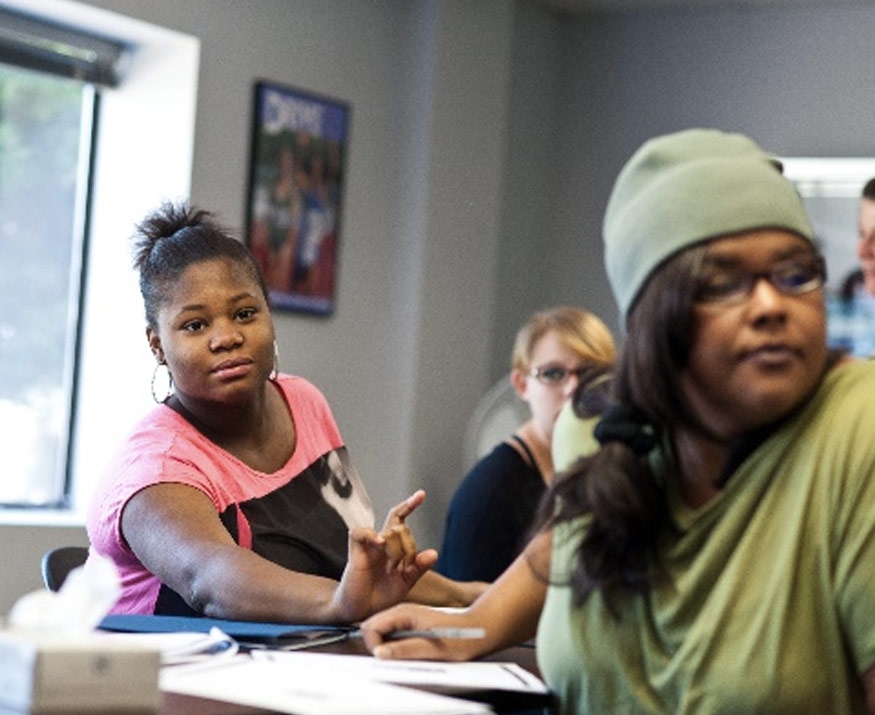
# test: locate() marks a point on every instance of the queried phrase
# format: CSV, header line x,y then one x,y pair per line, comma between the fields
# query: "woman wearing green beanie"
x,y
715,552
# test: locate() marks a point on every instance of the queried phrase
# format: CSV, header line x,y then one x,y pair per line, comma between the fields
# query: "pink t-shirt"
x,y
298,516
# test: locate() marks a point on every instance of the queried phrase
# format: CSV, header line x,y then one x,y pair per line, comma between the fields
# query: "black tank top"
x,y
521,443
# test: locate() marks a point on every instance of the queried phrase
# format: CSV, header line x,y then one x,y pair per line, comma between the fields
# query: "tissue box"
x,y
40,673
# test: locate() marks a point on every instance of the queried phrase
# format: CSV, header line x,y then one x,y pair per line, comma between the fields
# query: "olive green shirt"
x,y
571,436
769,601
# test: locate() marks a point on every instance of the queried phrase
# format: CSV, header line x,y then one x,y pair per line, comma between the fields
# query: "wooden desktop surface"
x,y
175,704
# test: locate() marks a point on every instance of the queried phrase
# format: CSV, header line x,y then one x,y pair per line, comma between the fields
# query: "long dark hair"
x,y
624,503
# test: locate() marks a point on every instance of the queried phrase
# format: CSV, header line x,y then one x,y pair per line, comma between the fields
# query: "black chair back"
x,y
59,562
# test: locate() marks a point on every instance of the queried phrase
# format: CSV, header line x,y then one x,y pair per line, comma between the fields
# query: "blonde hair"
x,y
577,329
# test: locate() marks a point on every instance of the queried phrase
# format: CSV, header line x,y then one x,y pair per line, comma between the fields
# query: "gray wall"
x,y
23,549
484,139
797,79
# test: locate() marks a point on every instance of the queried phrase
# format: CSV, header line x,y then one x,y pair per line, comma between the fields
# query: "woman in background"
x,y
715,552
492,510
235,497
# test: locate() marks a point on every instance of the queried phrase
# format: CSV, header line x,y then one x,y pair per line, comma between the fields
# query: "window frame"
x,y
113,384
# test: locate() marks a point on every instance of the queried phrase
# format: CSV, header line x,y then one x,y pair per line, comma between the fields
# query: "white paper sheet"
x,y
433,675
178,649
303,689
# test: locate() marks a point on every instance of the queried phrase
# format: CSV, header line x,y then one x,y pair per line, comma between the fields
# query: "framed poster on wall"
x,y
294,201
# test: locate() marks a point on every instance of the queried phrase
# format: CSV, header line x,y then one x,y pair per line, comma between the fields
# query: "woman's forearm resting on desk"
x,y
433,589
508,611
175,531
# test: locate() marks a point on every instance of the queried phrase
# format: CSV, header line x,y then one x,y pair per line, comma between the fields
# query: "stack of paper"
x,y
207,664
453,678
308,690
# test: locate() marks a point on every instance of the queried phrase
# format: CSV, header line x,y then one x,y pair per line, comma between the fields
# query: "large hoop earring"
x,y
169,389
274,374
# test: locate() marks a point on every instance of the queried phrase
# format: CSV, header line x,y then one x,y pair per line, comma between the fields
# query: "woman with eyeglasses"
x,y
489,517
715,551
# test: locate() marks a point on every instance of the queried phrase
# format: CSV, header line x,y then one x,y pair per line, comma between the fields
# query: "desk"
x,y
509,703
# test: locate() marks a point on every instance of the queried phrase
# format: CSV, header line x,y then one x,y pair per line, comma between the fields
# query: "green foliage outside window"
x,y
42,121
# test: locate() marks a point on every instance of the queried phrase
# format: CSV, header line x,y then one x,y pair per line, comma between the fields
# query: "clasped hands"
x,y
382,567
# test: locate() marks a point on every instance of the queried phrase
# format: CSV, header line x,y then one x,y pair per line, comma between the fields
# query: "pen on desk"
x,y
432,633
461,633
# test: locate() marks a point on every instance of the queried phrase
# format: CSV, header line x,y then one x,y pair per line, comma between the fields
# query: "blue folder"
x,y
243,631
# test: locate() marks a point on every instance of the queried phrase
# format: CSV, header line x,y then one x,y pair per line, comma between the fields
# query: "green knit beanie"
x,y
685,188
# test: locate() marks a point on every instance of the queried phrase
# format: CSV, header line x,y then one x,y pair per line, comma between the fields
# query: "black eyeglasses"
x,y
793,277
555,375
